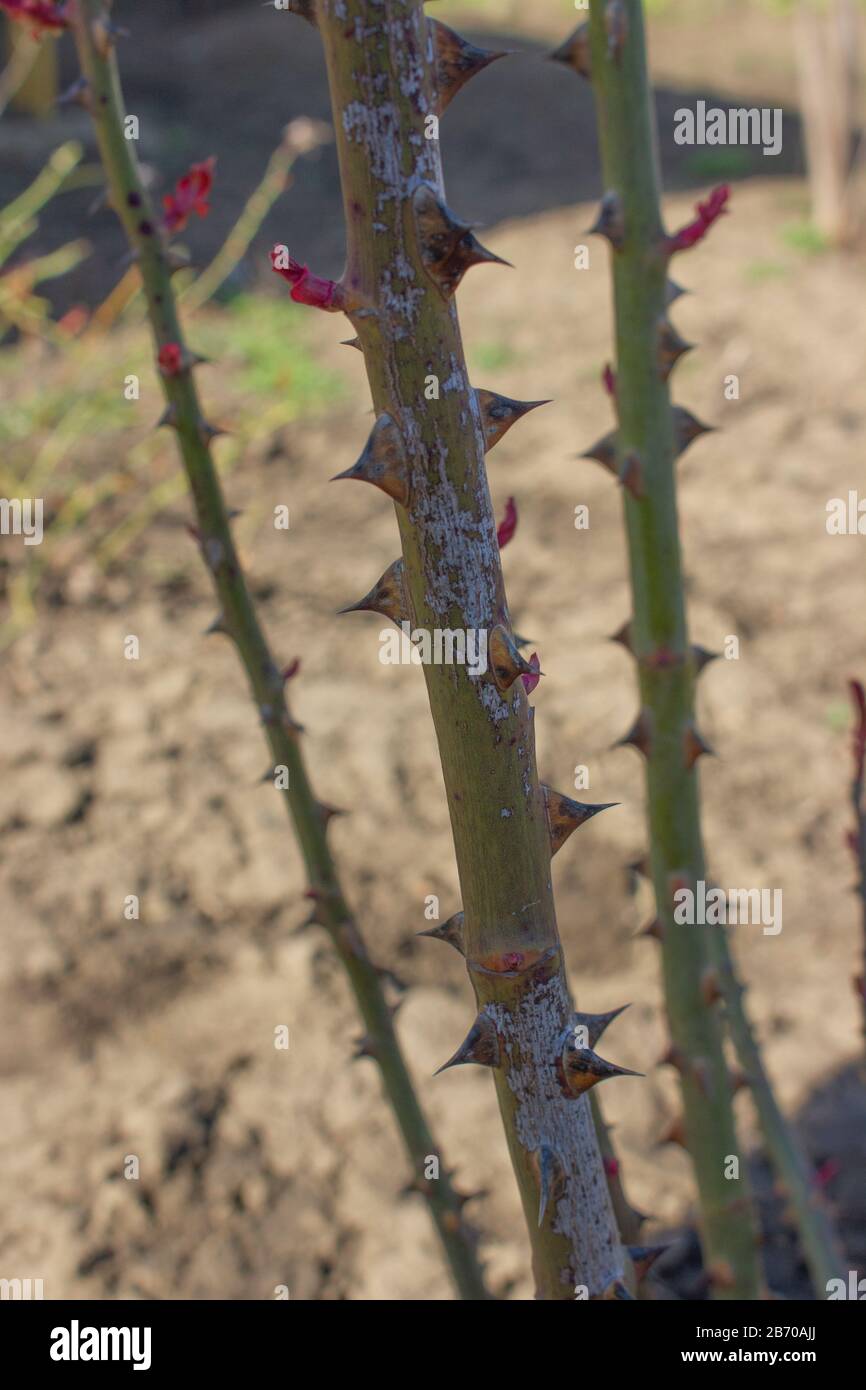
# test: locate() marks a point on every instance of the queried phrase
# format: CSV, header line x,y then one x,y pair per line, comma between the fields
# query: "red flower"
x,y
530,681
508,524
190,195
307,288
45,16
707,214
170,359
858,696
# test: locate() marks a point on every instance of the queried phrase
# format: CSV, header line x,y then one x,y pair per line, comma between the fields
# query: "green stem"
x,y
821,1248
405,257
646,450
239,620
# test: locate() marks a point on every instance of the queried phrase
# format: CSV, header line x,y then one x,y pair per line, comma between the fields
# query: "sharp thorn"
x,y
574,52
388,596
457,61
450,931
383,462
480,1046
499,413
564,816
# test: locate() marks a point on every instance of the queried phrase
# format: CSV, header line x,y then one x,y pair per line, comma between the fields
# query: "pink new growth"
x,y
508,524
530,680
307,288
707,213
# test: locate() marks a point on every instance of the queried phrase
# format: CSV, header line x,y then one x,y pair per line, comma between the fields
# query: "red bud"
x,y
707,213
170,359
44,15
508,524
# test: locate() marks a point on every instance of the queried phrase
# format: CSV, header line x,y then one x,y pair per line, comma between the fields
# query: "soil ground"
x,y
154,1037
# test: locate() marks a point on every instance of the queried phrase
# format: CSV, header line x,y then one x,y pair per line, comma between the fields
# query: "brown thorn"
x,y
506,662
688,428
457,61
450,931
448,246
388,596
564,816
480,1046
639,735
610,222
499,413
383,461
694,746
575,51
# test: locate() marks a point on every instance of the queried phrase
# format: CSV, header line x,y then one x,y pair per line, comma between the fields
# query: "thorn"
x,y
364,1047
643,1257
655,929
565,816
327,813
739,1081
623,636
551,1177
448,247
604,452
630,475
77,95
104,33
673,292
596,1024
499,413
616,1290
701,658
481,1046
639,735
383,462
579,1068
505,660
711,989
687,428
610,222
208,432
521,642
457,61
218,625
352,342
640,866
616,26
574,52
450,931
388,596
694,746
168,417
674,1132
289,672
670,347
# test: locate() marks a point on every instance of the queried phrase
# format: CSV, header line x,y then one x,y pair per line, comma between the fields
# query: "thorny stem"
x,y
404,261
821,1248
646,449
133,206
650,436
